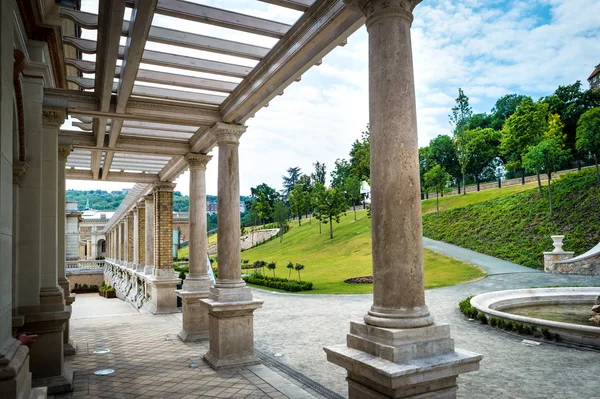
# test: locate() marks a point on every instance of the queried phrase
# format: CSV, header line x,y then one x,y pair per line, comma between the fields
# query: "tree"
x,y
263,198
340,173
437,179
588,135
549,154
521,130
298,268
272,266
479,120
280,215
360,157
352,188
332,204
441,151
299,200
289,181
504,108
461,113
290,267
320,173
316,196
481,148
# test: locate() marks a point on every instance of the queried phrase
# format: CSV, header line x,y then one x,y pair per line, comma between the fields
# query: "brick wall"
x,y
163,225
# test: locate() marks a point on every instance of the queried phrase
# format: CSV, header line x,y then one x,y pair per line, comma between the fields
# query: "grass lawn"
x,y
460,200
185,251
328,262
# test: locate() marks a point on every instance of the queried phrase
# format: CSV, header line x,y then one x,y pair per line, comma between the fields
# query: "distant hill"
x,y
517,227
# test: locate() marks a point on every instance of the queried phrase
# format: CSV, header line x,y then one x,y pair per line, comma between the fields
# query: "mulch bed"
x,y
360,280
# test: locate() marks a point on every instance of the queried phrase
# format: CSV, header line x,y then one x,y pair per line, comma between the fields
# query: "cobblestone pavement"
x,y
299,326
150,361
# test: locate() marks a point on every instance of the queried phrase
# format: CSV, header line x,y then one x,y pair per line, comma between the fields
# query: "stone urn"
x,y
558,243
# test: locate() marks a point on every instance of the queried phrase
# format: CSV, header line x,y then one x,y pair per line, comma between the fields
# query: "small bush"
x,y
546,333
466,308
182,275
482,318
278,283
493,321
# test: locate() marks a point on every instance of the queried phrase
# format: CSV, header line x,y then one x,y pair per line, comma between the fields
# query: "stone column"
x,y
398,328
163,298
230,305
122,242
63,153
140,227
149,229
129,238
197,284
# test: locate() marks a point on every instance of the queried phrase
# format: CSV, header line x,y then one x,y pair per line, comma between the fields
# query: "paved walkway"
x,y
151,362
491,265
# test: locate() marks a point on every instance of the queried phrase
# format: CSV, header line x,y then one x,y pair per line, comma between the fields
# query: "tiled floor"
x,y
150,361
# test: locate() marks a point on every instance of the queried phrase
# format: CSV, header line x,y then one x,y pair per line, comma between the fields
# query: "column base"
x,y
15,378
148,269
163,298
52,299
195,317
57,384
231,333
401,363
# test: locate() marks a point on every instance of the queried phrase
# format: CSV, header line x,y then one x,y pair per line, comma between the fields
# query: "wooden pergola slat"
x,y
298,5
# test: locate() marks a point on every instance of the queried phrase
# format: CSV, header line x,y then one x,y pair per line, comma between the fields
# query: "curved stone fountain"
x,y
500,303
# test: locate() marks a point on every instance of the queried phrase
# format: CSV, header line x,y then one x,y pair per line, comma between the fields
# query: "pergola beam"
x,y
169,60
127,177
323,27
176,38
80,103
218,17
298,5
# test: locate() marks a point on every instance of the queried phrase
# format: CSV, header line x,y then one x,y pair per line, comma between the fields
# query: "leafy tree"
x,y
263,197
360,157
549,154
482,148
290,267
272,266
504,108
317,194
521,130
588,135
437,179
352,188
332,204
299,268
479,120
441,151
340,173
289,181
320,173
461,113
280,215
299,200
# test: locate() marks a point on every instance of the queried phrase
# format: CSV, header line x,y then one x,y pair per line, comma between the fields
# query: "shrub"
x,y
493,321
546,333
466,308
482,318
278,283
182,275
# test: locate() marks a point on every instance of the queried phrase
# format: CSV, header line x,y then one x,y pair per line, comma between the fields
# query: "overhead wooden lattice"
x,y
152,77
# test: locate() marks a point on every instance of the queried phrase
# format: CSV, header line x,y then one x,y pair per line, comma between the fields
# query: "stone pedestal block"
x,y
47,355
195,316
163,296
231,333
551,257
148,270
401,363
15,378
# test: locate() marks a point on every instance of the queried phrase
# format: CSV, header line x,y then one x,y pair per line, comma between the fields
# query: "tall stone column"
x,y
230,305
140,228
63,153
129,238
398,351
149,229
122,242
163,298
197,284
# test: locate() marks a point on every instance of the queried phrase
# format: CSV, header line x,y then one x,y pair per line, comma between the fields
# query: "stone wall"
x,y
88,278
564,264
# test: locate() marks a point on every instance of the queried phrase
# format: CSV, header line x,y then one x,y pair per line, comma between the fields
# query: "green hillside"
x,y
328,262
517,228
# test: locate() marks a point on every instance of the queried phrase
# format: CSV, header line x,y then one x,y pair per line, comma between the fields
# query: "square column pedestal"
x,y
401,363
163,296
231,332
195,316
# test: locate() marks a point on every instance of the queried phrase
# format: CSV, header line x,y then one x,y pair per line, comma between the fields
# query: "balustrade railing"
x,y
85,264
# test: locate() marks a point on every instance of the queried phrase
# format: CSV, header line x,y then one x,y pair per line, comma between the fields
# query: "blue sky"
x,y
489,48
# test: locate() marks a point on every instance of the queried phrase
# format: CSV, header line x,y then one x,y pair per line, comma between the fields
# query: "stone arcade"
x,y
134,132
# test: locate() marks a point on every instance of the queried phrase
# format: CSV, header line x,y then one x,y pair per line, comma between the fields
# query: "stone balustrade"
x,y
130,284
562,262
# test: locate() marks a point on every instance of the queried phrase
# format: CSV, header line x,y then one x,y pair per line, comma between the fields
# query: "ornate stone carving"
x,y
197,161
53,117
63,152
148,198
19,171
163,186
228,133
376,9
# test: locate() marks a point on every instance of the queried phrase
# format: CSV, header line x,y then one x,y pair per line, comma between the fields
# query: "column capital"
x,y
63,152
228,133
140,204
163,186
148,198
197,161
53,117
19,171
376,9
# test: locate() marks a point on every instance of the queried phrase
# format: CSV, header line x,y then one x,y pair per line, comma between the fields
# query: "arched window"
x,y
103,246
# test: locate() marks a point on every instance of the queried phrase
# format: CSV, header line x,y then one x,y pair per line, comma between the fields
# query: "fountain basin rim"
x,y
493,303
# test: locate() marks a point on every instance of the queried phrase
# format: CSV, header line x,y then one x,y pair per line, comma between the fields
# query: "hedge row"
x,y
279,283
